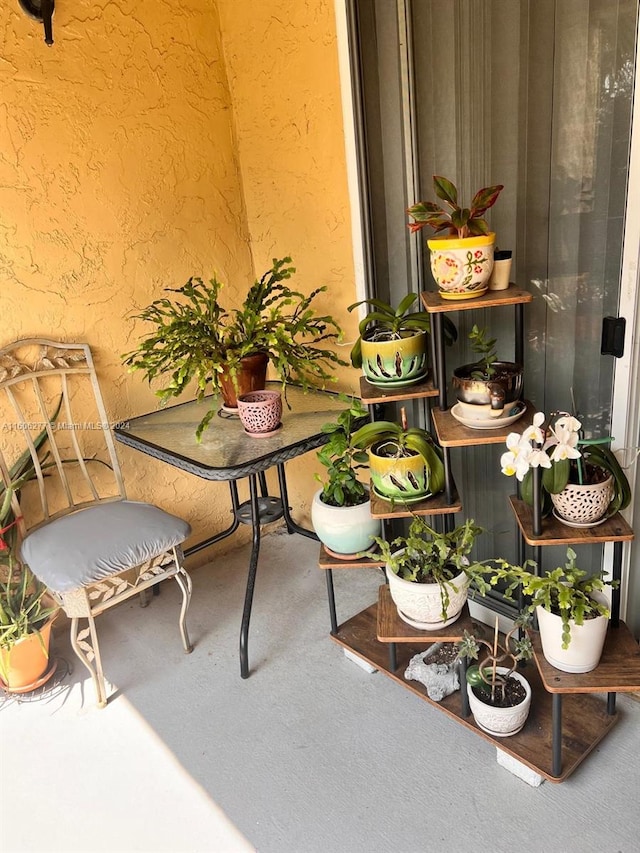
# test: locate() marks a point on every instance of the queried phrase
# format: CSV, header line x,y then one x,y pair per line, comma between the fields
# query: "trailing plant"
x,y
485,674
384,323
425,555
453,217
342,458
555,446
196,338
565,591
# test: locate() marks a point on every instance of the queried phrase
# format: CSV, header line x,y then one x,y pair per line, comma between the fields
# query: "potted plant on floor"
x,y
461,260
392,343
405,462
341,509
571,609
196,338
487,388
429,572
582,481
499,696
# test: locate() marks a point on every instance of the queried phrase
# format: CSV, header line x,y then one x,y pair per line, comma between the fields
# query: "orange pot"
x,y
251,376
26,661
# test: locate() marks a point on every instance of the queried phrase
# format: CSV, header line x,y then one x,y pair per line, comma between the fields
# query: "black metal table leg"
x,y
332,602
556,735
393,660
251,578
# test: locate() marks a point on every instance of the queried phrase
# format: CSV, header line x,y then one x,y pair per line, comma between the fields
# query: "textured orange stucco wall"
x,y
128,163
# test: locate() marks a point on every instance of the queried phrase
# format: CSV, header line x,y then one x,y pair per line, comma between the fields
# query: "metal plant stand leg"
x,y
464,696
556,734
251,578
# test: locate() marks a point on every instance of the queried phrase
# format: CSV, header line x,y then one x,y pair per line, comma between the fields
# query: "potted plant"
x,y
571,609
195,337
581,478
487,386
499,696
462,259
429,572
405,462
392,345
341,509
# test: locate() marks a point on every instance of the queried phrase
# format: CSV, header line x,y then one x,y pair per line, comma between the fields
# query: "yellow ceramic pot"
x,y
462,267
395,363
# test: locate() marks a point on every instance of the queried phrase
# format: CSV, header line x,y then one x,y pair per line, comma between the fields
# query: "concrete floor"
x,y
310,754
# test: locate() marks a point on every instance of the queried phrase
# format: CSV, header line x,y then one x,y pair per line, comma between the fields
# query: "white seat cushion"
x,y
99,541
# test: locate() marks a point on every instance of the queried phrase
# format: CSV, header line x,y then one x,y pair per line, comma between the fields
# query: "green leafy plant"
x,y
565,591
453,217
196,338
485,676
384,323
485,348
23,609
342,459
426,556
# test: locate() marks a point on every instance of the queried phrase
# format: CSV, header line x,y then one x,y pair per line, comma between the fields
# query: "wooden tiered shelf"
x,y
585,719
373,394
451,433
438,505
554,532
435,304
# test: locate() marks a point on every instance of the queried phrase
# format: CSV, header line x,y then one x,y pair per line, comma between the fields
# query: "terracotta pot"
x,y
462,267
27,660
251,376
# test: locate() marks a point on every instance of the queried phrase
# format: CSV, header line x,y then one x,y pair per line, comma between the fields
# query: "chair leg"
x,y
85,645
184,582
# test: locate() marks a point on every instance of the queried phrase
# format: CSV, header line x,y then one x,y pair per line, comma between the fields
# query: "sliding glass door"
x,y
536,95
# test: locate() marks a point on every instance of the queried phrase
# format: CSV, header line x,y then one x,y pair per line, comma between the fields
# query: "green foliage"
x,y
342,459
565,591
486,349
389,323
453,218
404,442
195,338
426,556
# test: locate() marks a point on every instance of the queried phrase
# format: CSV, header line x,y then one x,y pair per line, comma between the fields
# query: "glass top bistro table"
x,y
227,453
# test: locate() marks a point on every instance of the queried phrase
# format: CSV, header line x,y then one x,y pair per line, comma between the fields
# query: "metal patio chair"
x,y
78,533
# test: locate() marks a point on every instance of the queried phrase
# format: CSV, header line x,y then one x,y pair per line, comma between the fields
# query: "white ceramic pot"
x,y
587,640
501,722
420,604
462,267
344,530
584,504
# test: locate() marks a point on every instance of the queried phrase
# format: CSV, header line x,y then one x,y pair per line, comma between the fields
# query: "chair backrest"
x,y
57,453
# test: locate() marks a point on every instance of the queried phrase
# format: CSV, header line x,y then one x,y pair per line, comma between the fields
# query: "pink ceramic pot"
x,y
260,412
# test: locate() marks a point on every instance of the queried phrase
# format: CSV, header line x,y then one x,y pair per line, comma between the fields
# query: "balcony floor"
x,y
310,754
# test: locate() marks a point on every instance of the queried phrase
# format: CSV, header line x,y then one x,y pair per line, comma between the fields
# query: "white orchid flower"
x,y
539,459
534,432
570,423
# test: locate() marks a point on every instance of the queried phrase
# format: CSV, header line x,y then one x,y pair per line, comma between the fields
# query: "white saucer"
x,y
490,423
577,523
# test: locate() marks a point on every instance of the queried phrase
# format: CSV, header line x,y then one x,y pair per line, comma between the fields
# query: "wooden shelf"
x,y
373,394
617,672
392,629
554,532
451,433
435,304
328,561
438,505
584,717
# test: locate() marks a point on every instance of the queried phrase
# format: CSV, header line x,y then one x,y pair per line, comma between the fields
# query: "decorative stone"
x,y
440,679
